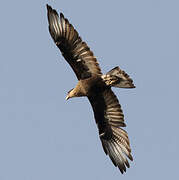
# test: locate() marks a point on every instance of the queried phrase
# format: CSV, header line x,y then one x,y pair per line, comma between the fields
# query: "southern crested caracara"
x,y
96,87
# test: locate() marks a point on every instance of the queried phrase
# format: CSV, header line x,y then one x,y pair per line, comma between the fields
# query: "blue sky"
x,y
43,136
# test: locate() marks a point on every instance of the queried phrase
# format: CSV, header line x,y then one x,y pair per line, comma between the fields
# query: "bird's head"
x,y
70,94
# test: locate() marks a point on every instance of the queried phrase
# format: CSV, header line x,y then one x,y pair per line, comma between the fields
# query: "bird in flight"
x,y
96,87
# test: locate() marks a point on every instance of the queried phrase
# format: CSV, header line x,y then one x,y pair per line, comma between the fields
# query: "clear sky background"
x,y
45,137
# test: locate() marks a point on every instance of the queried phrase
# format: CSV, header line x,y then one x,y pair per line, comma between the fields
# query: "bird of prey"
x,y
96,87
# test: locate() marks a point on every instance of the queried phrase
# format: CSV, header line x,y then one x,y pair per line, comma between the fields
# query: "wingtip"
x,y
130,157
61,15
122,169
122,172
48,7
51,10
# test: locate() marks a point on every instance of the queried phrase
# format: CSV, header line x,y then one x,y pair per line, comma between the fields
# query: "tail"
x,y
118,78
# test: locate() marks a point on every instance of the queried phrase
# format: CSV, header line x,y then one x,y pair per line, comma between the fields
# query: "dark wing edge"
x,y
75,51
109,118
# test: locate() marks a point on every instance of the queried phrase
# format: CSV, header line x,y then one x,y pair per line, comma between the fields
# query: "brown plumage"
x,y
96,87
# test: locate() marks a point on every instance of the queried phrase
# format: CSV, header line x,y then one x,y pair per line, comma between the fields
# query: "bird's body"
x,y
96,87
88,86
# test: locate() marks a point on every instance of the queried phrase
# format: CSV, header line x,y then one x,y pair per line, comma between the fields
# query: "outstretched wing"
x,y
74,50
109,118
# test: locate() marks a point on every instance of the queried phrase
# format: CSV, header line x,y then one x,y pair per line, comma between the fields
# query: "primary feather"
x,y
74,50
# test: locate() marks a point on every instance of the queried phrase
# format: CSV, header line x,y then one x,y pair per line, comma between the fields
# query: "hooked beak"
x,y
67,97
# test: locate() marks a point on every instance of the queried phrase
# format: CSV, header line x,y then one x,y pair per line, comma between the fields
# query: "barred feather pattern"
x,y
74,50
118,78
117,146
109,118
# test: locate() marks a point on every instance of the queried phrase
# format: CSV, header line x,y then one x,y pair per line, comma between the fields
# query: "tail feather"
x,y
118,78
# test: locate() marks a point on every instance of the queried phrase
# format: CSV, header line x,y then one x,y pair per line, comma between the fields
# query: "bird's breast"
x,y
93,85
